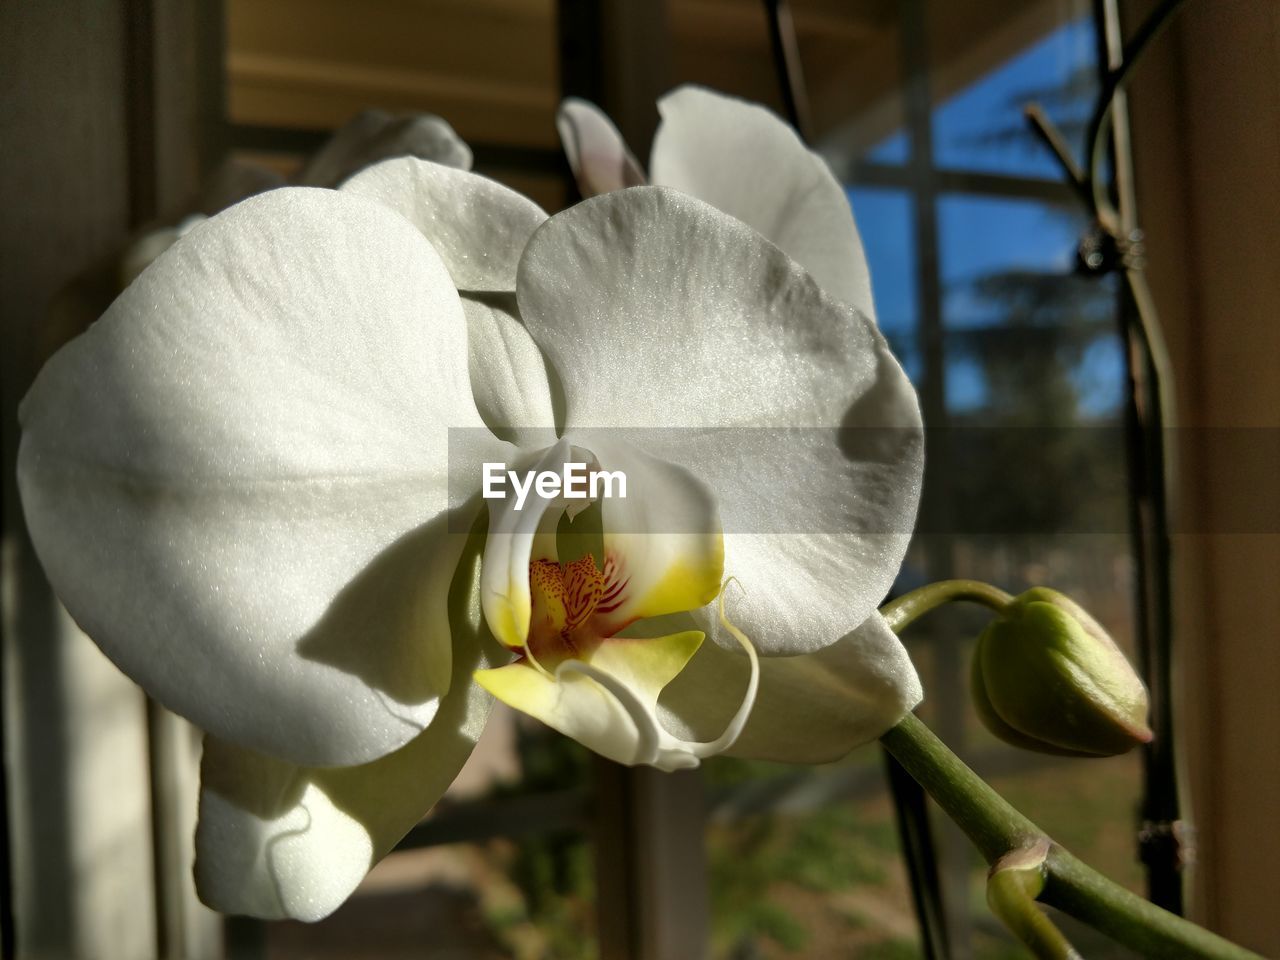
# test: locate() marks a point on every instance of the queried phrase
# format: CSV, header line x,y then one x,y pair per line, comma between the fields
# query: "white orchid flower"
x,y
740,158
238,481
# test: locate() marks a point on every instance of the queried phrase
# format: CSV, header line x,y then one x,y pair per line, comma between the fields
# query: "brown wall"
x,y
1207,144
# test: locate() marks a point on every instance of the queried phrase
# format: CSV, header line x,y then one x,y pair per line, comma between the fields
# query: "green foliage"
x,y
553,873
760,863
891,950
778,925
830,851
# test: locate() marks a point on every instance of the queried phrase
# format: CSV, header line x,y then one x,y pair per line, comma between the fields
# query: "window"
x,y
971,239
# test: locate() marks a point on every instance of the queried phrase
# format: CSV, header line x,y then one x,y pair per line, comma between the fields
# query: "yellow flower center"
x,y
563,599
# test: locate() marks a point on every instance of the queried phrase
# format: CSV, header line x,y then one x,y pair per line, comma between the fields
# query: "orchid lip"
x,y
654,745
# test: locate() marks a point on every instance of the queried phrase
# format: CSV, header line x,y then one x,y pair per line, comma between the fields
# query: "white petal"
x,y
813,708
277,840
375,135
741,158
716,351
595,149
236,479
508,372
478,226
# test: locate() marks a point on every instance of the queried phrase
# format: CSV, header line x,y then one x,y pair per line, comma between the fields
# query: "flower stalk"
x,y
1027,864
905,610
1013,885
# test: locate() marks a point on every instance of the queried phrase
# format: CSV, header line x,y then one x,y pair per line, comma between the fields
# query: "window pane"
x,y
1028,340
978,122
885,221
1027,376
1006,262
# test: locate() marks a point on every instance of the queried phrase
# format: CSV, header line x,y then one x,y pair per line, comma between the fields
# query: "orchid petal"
x,y
236,479
624,729
375,135
277,840
813,708
595,149
477,225
784,401
509,376
741,158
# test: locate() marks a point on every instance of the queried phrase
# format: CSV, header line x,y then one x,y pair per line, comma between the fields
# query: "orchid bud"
x,y
1047,677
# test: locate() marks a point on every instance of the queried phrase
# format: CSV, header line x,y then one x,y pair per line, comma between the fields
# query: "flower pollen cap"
x,y
1047,677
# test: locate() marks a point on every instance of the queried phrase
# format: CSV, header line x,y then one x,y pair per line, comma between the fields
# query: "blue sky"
x,y
983,235
994,103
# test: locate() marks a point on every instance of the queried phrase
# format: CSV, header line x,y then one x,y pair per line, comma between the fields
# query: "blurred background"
x,y
121,117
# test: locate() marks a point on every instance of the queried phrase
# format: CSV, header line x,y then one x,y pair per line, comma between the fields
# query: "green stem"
x,y
997,829
1012,888
1077,889
989,820
909,607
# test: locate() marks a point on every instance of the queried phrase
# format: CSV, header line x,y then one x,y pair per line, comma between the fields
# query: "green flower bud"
x,y
1047,677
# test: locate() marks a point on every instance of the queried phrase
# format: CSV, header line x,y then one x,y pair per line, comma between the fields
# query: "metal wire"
x,y
1116,245
786,62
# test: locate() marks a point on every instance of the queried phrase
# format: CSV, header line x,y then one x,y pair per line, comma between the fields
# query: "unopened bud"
x,y
1047,677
